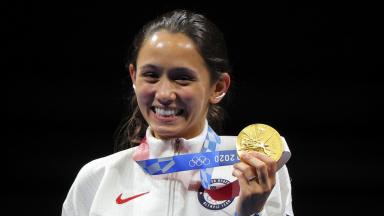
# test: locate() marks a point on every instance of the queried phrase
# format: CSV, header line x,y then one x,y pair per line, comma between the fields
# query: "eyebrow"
x,y
152,67
183,69
159,68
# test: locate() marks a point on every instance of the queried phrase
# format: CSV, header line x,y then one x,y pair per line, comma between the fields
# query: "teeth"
x,y
165,112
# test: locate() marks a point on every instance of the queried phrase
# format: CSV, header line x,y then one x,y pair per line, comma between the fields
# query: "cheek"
x,y
144,96
195,99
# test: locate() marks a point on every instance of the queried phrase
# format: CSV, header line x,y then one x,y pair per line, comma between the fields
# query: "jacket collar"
x,y
165,148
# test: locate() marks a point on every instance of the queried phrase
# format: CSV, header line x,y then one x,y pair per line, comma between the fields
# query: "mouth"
x,y
167,112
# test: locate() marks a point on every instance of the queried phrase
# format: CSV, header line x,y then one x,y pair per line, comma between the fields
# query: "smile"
x,y
166,112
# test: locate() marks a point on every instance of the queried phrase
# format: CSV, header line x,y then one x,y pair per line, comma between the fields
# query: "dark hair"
x,y
211,46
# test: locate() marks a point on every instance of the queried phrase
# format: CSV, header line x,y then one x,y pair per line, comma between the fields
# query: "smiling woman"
x,y
173,87
171,162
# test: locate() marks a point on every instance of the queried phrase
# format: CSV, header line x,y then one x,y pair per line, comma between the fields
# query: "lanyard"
x,y
206,160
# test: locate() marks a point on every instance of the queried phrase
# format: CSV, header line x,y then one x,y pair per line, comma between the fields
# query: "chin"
x,y
165,132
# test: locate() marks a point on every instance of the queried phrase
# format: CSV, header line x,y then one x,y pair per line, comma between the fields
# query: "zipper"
x,y
172,183
169,196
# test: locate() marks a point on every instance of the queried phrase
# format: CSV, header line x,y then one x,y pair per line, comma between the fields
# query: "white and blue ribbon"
x,y
178,163
206,160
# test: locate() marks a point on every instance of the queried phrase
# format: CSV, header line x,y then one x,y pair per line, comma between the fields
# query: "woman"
x,y
180,72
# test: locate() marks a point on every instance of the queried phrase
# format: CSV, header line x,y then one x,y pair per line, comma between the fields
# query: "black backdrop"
x,y
312,73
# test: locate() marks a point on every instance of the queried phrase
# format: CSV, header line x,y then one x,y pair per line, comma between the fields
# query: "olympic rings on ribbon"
x,y
199,161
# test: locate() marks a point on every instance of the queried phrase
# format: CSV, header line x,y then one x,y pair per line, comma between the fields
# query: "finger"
x,y
261,169
271,164
260,156
243,181
268,160
248,171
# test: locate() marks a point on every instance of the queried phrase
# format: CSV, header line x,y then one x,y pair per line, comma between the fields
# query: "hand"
x,y
257,177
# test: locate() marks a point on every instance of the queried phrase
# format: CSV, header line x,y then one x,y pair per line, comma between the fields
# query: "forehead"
x,y
170,50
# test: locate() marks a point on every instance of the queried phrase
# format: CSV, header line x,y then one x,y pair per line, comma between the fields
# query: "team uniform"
x,y
116,185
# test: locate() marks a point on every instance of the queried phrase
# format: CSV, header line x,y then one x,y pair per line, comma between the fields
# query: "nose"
x,y
165,93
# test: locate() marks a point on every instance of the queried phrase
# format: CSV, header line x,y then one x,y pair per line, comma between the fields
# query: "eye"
x,y
184,79
182,76
150,76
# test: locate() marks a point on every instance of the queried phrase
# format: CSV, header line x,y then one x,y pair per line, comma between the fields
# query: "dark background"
x,y
311,73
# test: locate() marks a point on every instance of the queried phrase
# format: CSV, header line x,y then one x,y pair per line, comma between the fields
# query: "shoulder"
x,y
101,164
92,173
227,143
228,138
83,190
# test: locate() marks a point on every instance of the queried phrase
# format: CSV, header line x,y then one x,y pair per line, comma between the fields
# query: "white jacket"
x,y
116,185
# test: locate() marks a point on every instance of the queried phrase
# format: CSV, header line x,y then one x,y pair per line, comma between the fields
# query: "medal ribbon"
x,y
206,160
185,162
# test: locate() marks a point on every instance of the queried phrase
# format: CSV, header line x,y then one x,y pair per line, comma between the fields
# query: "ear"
x,y
132,73
220,88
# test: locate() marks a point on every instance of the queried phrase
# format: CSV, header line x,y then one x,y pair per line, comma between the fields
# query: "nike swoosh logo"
x,y
119,200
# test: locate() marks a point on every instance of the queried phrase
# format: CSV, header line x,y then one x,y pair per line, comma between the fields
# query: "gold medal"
x,y
261,138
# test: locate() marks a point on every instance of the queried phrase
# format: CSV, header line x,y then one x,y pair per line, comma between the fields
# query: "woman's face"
x,y
172,85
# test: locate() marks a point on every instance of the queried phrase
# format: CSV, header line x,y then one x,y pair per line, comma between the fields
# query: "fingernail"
x,y
245,155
